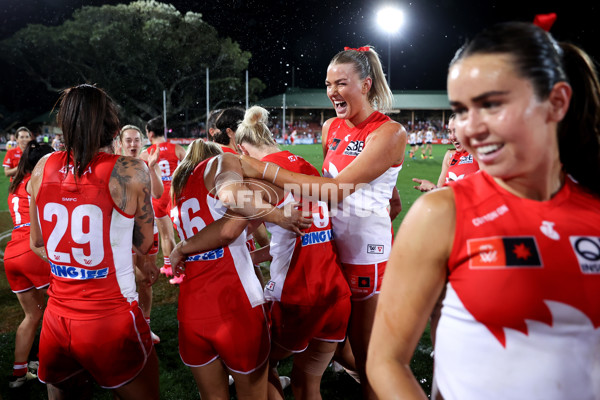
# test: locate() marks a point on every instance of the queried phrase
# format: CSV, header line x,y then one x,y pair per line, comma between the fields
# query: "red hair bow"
x,y
545,21
364,48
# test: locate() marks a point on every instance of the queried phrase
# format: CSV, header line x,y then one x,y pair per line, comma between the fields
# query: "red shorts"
x,y
294,326
161,206
24,269
240,339
364,280
113,349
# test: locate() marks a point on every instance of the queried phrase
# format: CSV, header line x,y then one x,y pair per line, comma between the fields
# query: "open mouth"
x,y
340,106
489,149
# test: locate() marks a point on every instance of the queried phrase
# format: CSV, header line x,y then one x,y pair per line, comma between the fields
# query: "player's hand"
x,y
295,220
150,271
252,167
153,157
177,260
424,185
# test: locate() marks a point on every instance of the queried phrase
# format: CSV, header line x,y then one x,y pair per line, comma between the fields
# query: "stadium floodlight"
x,y
390,20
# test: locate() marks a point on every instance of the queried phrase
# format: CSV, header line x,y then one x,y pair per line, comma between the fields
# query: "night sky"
x,y
302,36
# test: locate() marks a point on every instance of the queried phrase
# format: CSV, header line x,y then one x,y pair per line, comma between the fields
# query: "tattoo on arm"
x,y
121,180
145,212
146,217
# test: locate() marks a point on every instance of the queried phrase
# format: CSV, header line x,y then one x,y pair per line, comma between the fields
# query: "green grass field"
x,y
176,381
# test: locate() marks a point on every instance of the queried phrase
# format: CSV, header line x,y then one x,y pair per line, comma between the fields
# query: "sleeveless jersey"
x,y
362,225
87,238
167,161
18,205
218,281
461,165
521,316
304,270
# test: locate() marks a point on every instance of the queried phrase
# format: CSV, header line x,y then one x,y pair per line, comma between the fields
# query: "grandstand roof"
x,y
297,98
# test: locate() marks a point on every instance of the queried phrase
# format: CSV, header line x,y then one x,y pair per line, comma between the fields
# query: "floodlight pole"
x,y
389,71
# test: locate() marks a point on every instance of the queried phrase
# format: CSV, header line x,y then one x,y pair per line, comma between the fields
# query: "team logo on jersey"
x,y
207,255
71,169
334,144
317,237
503,252
463,160
375,249
547,229
270,286
63,271
354,148
587,250
364,282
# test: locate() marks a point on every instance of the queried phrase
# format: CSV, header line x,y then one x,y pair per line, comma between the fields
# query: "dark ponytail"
x,y
579,131
89,120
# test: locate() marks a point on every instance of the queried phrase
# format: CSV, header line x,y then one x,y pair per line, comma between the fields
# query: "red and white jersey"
x,y
12,157
87,238
167,161
362,225
461,165
304,270
18,206
217,281
521,316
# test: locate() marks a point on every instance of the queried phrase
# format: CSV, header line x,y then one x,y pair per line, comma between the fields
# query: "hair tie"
x,y
545,21
364,48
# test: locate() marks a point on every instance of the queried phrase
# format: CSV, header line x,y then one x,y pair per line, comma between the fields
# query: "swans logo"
x,y
587,250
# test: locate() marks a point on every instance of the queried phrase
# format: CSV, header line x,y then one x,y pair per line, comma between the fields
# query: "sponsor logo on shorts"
x,y
503,252
587,250
317,237
270,286
364,282
207,256
354,148
63,271
375,249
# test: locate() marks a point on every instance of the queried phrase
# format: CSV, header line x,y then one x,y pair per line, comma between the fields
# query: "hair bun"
x,y
256,115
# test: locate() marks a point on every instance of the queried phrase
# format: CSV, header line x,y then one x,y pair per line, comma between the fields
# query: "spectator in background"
x,y
12,142
57,143
11,159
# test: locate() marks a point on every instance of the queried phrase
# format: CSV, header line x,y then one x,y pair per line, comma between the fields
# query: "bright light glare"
x,y
390,19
